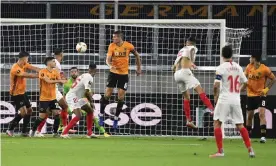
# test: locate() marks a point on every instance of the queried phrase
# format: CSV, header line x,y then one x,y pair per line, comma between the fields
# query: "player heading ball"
x,y
118,61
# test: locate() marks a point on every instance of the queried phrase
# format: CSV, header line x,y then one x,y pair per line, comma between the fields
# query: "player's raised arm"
x,y
272,80
31,67
20,73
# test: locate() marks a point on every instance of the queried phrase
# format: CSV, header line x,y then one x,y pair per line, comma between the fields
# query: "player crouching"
x,y
229,76
81,87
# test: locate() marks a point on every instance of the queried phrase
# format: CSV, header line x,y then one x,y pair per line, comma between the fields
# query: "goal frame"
x,y
221,22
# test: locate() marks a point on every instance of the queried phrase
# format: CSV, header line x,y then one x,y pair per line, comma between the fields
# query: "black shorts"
x,y
117,81
45,105
20,101
255,102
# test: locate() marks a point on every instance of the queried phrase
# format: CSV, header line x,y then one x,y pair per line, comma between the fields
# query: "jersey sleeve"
x,y
131,48
219,73
243,78
269,74
110,50
16,71
88,80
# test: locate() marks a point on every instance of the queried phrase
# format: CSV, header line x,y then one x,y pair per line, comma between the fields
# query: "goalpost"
x,y
153,102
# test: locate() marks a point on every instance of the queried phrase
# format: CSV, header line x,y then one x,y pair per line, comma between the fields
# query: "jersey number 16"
x,y
234,84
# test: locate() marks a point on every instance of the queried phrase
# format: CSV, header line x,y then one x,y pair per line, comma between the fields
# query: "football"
x,y
81,47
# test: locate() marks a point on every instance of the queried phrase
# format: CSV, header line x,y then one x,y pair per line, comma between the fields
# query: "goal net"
x,y
153,104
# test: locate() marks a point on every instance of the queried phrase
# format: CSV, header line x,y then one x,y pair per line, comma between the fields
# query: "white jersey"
x,y
58,66
82,83
231,76
185,52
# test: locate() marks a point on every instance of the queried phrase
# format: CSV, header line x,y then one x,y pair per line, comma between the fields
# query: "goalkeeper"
x,y
74,73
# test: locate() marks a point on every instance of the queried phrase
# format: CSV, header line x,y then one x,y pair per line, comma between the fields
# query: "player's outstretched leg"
x,y
72,123
219,139
64,112
42,117
204,98
246,139
187,109
39,128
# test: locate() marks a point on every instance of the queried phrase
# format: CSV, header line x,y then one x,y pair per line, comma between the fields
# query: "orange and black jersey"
x,y
48,90
257,79
120,57
17,82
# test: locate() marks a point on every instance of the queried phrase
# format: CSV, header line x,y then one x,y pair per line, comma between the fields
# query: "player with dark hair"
x,y
80,98
118,61
48,78
74,73
58,53
186,80
229,76
257,90
18,94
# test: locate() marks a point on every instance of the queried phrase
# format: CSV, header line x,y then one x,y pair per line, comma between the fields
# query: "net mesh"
x,y
153,102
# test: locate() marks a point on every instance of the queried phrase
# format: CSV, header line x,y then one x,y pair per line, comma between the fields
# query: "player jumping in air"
x,y
257,90
229,76
118,61
61,100
18,94
74,73
186,80
79,98
48,78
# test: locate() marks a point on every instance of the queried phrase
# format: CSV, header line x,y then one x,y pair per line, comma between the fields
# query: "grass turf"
x,y
130,151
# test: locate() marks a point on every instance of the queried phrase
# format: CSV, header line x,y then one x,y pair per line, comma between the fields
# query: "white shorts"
x,y
185,79
223,112
74,102
58,95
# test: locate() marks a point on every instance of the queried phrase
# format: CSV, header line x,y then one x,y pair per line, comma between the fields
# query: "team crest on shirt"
x,y
90,83
18,71
42,74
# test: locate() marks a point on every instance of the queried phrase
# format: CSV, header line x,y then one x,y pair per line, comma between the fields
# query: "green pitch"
x,y
130,151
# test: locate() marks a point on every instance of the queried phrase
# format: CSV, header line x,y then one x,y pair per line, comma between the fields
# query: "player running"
x,y
18,93
186,80
118,61
76,101
48,78
61,100
229,76
257,90
74,73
